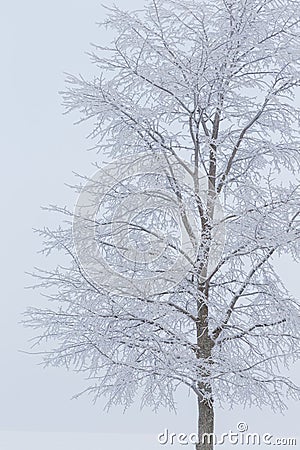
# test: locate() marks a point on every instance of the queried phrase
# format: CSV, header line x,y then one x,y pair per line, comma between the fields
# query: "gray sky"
x,y
40,149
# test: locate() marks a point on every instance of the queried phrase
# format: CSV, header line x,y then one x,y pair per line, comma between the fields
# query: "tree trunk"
x,y
205,406
205,426
205,342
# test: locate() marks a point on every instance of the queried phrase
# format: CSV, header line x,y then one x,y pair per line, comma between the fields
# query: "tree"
x,y
197,100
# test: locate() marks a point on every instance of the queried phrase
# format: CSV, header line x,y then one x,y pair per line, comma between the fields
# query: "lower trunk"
x,y
205,344
205,426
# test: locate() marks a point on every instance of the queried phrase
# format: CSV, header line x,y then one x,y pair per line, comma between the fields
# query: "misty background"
x,y
40,150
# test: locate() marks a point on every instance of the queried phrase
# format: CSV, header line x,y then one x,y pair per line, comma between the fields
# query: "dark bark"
x,y
205,426
205,406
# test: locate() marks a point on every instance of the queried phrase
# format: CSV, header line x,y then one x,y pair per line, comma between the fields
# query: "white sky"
x,y
40,149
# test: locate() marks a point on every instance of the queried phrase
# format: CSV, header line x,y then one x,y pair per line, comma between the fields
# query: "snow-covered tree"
x,y
200,96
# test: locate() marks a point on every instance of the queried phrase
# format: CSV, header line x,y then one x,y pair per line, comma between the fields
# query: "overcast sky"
x,y
40,149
